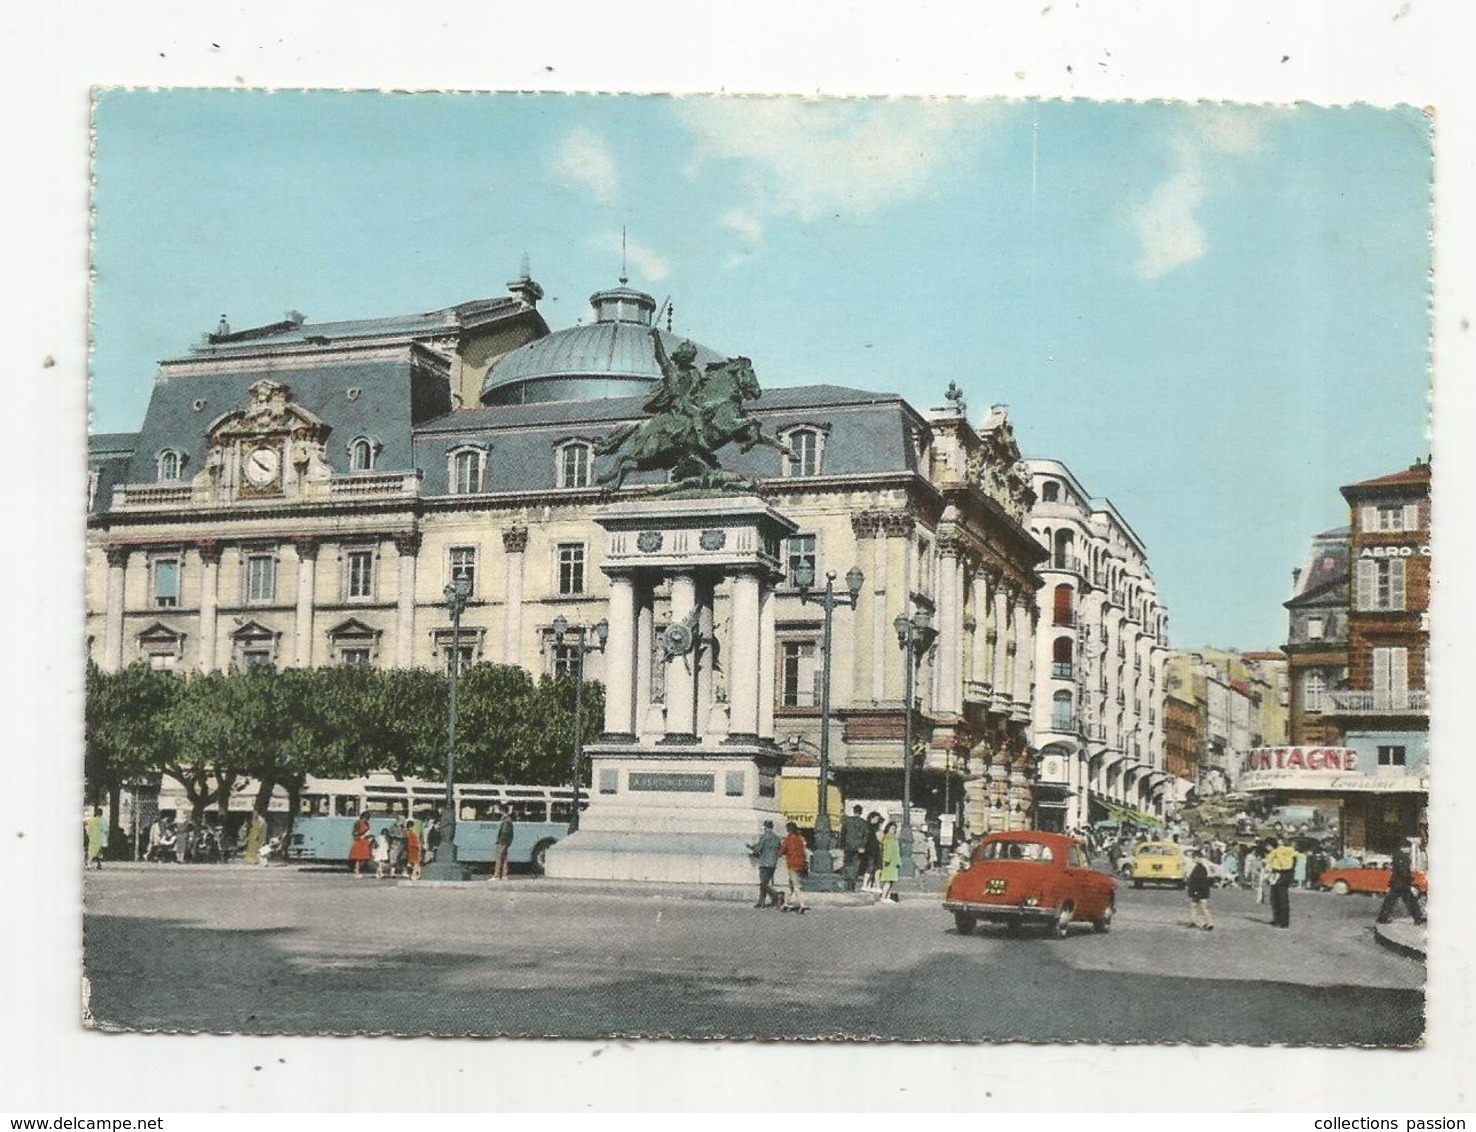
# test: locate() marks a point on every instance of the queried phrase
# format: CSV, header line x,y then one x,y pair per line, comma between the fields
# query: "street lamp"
x,y
822,873
445,866
915,636
601,634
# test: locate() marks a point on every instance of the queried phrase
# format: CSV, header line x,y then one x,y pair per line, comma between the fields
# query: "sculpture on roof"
x,y
694,413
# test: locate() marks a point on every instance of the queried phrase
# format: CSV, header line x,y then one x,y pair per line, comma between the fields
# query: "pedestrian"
x,y
381,854
94,837
360,849
412,851
255,828
1401,887
765,853
1299,869
398,858
872,855
853,844
1197,887
1280,863
432,838
797,866
963,853
930,849
505,832
889,861
1231,864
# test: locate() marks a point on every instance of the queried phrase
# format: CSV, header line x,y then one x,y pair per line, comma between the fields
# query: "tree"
x,y
125,735
218,726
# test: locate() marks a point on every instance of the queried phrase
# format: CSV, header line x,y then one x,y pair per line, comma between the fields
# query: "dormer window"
x,y
807,443
1050,491
575,459
465,469
362,452
170,464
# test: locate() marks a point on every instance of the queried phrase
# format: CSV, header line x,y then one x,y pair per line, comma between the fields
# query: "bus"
x,y
323,829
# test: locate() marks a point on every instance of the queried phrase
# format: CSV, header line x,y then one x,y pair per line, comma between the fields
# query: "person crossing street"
x,y
765,853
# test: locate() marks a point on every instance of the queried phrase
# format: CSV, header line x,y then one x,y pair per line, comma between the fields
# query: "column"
x,y
209,551
768,644
950,628
307,565
980,670
744,658
1000,672
514,544
620,658
1023,649
702,656
681,682
113,630
407,546
645,619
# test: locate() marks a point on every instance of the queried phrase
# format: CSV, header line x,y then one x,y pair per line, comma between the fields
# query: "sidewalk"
x,y
1403,936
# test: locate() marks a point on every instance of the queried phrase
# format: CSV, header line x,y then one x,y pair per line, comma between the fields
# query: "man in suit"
x,y
854,831
1401,887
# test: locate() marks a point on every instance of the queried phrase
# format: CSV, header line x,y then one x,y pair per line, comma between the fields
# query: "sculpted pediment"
x,y
269,411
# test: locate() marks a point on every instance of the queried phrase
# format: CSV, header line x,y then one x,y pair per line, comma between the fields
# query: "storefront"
x,y
1340,795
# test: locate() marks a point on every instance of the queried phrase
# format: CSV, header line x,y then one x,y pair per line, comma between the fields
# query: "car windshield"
x,y
1013,851
1158,851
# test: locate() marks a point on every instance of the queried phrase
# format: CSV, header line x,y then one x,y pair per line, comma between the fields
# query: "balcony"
x,y
172,496
1413,702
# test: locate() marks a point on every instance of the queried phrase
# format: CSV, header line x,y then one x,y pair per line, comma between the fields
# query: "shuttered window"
x,y
1391,677
1380,583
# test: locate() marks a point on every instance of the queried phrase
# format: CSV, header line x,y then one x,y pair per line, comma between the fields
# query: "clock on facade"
x,y
262,466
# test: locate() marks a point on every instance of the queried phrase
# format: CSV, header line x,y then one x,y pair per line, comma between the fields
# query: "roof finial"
x,y
224,328
523,271
624,279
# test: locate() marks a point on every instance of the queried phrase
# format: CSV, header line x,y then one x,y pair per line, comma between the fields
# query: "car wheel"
x,y
965,922
1340,887
1103,923
1062,923
540,857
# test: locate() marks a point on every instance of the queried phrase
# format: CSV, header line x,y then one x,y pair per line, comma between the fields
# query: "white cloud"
x,y
1170,234
811,159
648,264
584,158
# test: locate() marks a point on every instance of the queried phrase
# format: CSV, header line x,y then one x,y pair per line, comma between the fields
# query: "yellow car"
x,y
1159,862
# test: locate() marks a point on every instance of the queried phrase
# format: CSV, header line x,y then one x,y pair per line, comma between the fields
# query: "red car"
x,y
1031,878
1367,878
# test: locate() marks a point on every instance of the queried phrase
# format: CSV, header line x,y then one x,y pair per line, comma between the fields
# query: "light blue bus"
x,y
323,829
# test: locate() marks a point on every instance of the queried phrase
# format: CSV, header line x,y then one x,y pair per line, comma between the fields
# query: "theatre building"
x,y
301,494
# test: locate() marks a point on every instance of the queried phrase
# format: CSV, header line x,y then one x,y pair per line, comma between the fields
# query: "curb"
x,y
1401,946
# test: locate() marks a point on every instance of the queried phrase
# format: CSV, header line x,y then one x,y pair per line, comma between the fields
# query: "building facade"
x,y
1100,650
1317,638
302,494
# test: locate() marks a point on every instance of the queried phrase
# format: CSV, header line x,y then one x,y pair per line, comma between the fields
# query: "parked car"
x,y
1365,878
1159,862
1031,878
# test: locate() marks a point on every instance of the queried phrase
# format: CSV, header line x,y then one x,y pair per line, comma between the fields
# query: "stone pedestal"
x,y
687,769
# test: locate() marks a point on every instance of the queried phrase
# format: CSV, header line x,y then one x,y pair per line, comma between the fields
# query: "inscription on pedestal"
x,y
672,782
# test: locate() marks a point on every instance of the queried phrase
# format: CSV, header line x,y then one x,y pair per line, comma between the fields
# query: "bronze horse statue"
x,y
693,414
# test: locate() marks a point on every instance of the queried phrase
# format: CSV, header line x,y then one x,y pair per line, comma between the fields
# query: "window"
x,y
466,469
1392,517
800,550
1061,611
804,443
261,577
1063,550
163,661
1050,491
362,451
565,658
463,564
359,575
170,463
574,465
1380,583
1062,649
464,655
1313,686
166,582
571,567
257,658
1315,628
1391,756
799,675
924,565
1013,851
1391,678
1061,711
355,657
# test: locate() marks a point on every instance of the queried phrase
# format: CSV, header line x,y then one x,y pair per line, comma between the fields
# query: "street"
x,y
184,948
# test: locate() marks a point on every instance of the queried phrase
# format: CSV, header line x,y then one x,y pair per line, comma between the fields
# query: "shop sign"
x,y
1395,551
1334,782
1299,759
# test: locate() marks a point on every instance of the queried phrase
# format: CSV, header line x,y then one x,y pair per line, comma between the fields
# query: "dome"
x,y
610,357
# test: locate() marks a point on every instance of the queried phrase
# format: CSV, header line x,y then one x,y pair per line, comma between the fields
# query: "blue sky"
x,y
1215,315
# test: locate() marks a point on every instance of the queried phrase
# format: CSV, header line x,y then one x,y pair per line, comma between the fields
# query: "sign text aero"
x,y
1300,758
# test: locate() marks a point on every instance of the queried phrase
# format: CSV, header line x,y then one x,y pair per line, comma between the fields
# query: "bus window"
x,y
347,806
529,811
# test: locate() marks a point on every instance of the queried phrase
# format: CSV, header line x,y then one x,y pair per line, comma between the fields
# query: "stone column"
x,y
209,551
702,656
514,544
620,658
645,619
1000,673
113,630
407,546
950,628
307,566
681,682
1023,650
979,672
767,644
743,659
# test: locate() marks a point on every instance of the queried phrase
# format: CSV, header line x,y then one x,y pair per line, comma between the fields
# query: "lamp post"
x,y
446,866
822,872
601,634
915,635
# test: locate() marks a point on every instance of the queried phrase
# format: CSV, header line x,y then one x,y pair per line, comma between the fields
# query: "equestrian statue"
x,y
693,413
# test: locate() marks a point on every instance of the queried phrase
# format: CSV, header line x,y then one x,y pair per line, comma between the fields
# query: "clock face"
x,y
262,465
